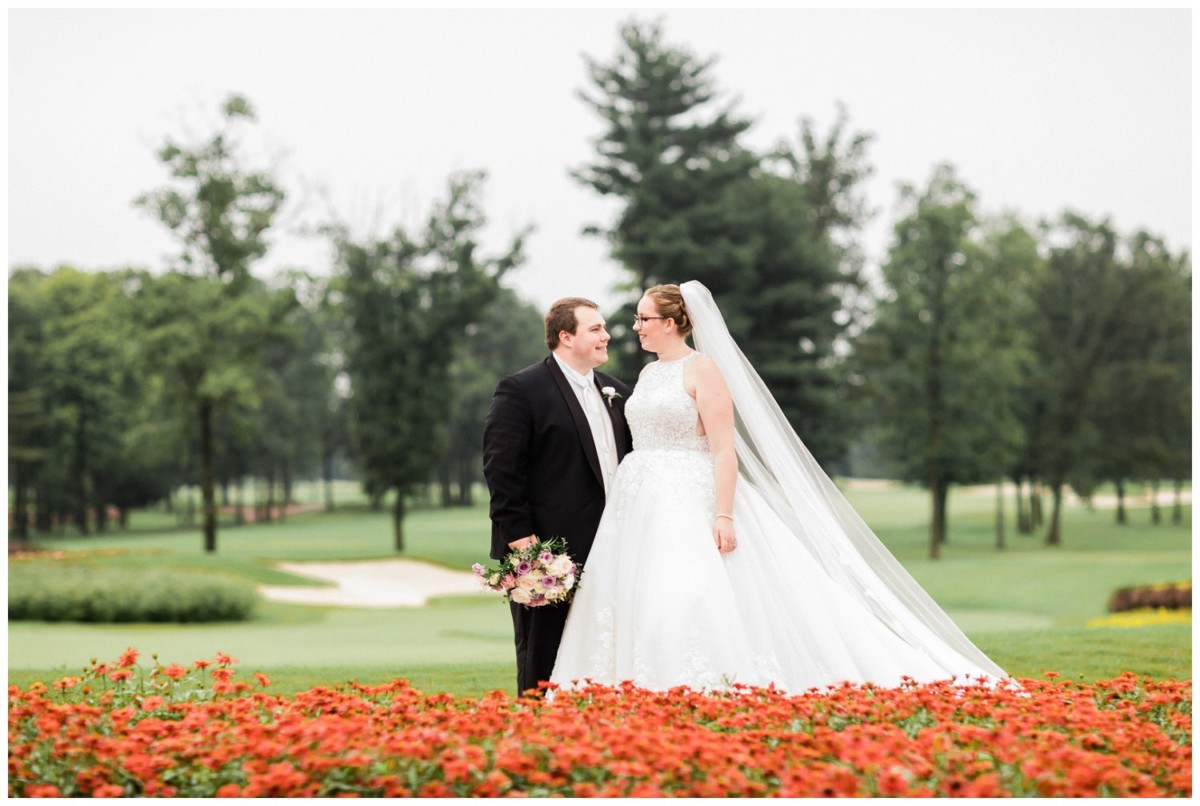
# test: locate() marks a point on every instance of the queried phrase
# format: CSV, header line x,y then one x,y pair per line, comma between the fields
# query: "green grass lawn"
x,y
1027,606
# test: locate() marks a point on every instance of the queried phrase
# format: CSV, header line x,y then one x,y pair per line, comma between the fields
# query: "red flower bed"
x,y
200,732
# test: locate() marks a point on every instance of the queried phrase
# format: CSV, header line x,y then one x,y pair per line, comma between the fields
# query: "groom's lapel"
x,y
586,441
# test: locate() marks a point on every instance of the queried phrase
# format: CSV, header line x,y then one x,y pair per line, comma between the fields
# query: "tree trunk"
x,y
937,533
1035,503
207,479
1023,525
327,466
1121,517
466,477
79,474
123,517
1177,510
239,517
287,492
101,517
43,520
447,487
1054,536
1155,510
21,502
398,521
224,492
268,513
1000,514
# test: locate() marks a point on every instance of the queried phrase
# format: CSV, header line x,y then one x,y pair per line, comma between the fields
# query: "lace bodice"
x,y
660,412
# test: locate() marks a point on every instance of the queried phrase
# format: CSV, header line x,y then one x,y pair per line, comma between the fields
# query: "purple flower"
x,y
524,567
549,582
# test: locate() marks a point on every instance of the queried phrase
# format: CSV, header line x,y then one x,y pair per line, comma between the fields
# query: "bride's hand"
x,y
724,536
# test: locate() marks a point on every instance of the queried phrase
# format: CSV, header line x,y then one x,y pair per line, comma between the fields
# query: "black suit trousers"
x,y
538,631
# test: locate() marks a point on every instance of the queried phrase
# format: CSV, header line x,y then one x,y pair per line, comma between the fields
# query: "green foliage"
x,y
410,304
1137,419
1078,301
55,591
206,344
208,331
74,378
941,358
219,209
772,237
671,155
509,335
1111,390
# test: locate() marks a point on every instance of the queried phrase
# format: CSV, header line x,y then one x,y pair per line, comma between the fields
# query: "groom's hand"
x,y
524,542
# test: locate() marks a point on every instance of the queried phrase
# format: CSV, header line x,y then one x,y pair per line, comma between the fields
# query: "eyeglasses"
x,y
641,320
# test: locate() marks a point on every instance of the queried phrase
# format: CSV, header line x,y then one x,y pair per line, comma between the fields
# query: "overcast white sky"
x,y
1039,110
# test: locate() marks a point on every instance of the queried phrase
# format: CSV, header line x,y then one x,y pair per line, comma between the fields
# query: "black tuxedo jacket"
x,y
540,460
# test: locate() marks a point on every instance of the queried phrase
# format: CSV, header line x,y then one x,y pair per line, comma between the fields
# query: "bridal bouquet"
x,y
540,574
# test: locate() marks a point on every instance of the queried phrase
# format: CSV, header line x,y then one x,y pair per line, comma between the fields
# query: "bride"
x,y
725,554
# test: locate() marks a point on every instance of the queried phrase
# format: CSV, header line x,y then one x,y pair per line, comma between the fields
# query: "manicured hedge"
x,y
60,592
1171,595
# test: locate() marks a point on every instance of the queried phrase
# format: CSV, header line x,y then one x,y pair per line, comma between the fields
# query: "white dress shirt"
x,y
599,421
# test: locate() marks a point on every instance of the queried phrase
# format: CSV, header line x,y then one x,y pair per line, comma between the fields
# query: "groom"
x,y
551,443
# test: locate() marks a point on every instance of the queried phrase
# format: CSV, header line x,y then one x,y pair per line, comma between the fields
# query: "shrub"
x,y
62,592
1173,596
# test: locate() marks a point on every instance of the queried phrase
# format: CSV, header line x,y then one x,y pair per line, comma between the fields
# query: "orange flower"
x,y
1127,737
42,791
175,671
128,658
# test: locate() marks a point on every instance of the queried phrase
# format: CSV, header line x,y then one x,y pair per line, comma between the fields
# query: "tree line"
x,y
1050,354
124,385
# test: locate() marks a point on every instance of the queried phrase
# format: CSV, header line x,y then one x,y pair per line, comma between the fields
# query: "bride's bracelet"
x,y
723,515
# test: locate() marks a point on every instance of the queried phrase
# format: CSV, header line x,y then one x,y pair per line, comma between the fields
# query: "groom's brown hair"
x,y
561,316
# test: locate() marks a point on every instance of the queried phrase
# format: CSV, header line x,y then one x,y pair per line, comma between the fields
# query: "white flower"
x,y
609,393
521,596
561,566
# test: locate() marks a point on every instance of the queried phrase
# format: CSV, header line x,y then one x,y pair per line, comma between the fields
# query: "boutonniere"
x,y
609,393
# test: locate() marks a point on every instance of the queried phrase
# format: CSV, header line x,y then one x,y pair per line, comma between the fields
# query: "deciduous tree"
x,y
410,302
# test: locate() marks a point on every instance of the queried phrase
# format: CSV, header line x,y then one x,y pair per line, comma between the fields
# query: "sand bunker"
x,y
375,583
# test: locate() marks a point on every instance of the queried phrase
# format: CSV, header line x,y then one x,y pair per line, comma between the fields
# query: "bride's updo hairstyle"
x,y
668,301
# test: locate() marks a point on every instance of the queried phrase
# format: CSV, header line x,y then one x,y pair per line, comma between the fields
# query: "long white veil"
x,y
780,467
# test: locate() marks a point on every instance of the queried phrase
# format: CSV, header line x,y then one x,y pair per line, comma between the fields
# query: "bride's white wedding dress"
x,y
659,605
